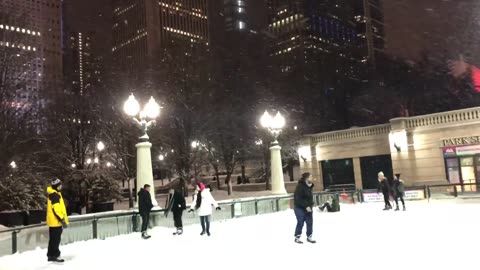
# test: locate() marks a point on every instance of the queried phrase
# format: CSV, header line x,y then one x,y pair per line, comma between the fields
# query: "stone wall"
x,y
415,145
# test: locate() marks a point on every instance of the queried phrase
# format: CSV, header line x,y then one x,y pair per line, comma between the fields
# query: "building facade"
x,y
31,31
442,148
143,28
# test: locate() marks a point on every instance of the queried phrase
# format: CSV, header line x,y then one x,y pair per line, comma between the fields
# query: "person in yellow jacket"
x,y
57,219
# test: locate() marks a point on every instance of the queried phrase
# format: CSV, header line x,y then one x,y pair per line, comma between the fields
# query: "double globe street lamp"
x,y
146,118
275,124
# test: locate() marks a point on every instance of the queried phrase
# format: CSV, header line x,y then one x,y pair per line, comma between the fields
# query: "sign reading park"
x,y
462,141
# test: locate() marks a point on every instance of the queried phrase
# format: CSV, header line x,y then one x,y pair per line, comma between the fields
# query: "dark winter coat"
x,y
384,186
144,202
399,188
303,196
335,205
178,201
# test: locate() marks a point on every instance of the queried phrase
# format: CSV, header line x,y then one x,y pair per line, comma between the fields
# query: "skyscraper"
x,y
31,31
87,45
372,29
321,47
143,28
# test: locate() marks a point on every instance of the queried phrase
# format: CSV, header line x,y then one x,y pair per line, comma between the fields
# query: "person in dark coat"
x,y
303,202
178,205
398,191
334,206
384,186
144,207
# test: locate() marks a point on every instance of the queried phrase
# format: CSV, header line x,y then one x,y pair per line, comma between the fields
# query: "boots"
x,y
145,235
310,240
404,208
297,240
322,207
396,209
179,231
53,259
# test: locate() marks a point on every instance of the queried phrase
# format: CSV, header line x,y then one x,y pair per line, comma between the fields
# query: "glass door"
x,y
468,174
477,170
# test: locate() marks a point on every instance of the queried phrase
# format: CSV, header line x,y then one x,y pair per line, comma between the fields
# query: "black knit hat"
x,y
56,182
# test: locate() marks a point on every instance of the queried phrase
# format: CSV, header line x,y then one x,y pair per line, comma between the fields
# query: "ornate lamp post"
x,y
146,118
275,125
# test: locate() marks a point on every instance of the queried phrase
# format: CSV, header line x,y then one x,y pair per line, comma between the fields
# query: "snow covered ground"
x,y
435,235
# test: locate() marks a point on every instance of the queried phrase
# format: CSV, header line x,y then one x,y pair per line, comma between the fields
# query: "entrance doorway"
x,y
464,171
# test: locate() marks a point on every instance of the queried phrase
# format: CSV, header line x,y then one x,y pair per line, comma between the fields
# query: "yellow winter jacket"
x,y
56,210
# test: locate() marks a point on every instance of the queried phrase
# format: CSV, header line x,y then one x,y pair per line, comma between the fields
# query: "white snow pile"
x,y
436,235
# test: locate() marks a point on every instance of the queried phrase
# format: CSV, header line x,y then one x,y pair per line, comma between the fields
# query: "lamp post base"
x,y
144,169
278,183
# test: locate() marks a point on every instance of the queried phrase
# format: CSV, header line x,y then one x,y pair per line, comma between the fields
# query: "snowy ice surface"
x,y
435,235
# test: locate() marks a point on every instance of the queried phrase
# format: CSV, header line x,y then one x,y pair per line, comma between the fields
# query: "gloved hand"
x,y
190,211
64,224
309,209
218,208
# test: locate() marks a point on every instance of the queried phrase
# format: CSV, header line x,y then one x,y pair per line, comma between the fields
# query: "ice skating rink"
x,y
435,235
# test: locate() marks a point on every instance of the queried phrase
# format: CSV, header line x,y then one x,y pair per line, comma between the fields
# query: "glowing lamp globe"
x,y
100,146
131,106
278,121
152,109
266,120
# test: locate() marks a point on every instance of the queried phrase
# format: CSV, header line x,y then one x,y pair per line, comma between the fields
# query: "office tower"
x,y
31,32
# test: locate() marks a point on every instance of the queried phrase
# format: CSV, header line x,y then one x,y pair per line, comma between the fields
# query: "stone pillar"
x,y
278,184
144,169
357,172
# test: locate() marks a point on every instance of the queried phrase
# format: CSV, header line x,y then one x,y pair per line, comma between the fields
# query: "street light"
x,y
146,118
13,164
74,165
109,164
89,161
275,124
195,144
95,160
161,157
150,111
100,146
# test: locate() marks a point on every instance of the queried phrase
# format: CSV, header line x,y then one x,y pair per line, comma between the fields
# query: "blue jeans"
x,y
303,217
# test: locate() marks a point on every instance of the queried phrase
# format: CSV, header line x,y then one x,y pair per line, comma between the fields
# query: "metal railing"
x,y
110,224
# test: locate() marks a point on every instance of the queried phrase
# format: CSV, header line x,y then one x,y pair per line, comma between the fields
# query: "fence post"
x,y
317,199
134,222
256,207
455,191
232,209
277,204
14,241
95,228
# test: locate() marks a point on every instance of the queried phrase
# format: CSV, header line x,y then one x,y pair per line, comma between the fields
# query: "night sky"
x,y
442,27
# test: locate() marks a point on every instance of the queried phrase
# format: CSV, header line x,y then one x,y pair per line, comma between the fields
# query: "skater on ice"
x,y
57,219
177,204
384,187
398,191
333,206
145,205
303,202
202,203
